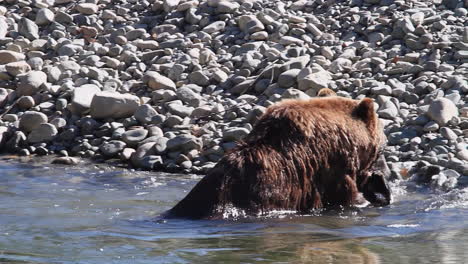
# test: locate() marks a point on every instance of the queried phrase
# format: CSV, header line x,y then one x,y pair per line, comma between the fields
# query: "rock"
x,y
294,94
43,133
31,82
156,81
214,27
3,28
315,81
160,145
340,65
227,7
188,96
463,155
461,55
448,133
113,105
31,120
26,102
82,97
387,109
287,79
431,126
44,16
4,134
179,110
288,40
112,148
250,24
134,136
66,161
126,154
142,151
442,110
235,133
7,56
155,131
170,5
3,96
184,143
69,50
87,8
28,29
150,162
144,113
17,68
58,122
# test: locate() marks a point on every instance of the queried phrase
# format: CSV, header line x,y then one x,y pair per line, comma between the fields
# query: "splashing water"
x,y
98,214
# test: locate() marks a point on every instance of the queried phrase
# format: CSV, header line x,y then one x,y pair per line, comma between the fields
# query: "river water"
x,y
100,214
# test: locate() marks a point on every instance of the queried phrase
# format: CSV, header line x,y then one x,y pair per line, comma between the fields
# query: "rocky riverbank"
x,y
171,85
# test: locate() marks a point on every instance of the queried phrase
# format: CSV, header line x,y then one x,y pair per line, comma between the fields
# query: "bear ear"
x,y
365,110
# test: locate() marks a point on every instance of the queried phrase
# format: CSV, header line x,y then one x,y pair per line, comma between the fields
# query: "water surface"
x,y
100,214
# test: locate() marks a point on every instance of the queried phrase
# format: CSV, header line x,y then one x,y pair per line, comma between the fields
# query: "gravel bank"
x,y
171,85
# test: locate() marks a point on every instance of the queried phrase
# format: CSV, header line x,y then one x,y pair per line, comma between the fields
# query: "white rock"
x,y
340,65
113,105
217,26
82,98
235,133
294,94
3,27
43,133
17,68
250,24
7,56
87,8
170,5
44,16
157,81
442,110
30,83
315,81
31,120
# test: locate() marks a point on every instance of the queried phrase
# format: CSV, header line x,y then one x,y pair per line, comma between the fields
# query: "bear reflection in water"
x,y
300,156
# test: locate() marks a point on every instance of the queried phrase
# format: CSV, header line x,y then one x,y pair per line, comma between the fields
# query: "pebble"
x,y
43,133
288,78
132,137
87,8
31,82
17,68
442,110
7,56
28,29
448,133
145,113
82,96
44,16
66,161
157,81
113,105
112,148
31,120
26,102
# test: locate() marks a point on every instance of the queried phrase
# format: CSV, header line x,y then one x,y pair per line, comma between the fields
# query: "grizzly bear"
x,y
301,155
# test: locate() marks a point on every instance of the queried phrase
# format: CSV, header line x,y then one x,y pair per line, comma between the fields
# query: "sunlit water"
x,y
97,214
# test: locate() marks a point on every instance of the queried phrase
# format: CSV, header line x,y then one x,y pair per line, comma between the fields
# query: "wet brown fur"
x,y
301,155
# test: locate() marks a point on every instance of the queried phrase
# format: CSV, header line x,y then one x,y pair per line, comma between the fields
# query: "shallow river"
x,y
97,214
